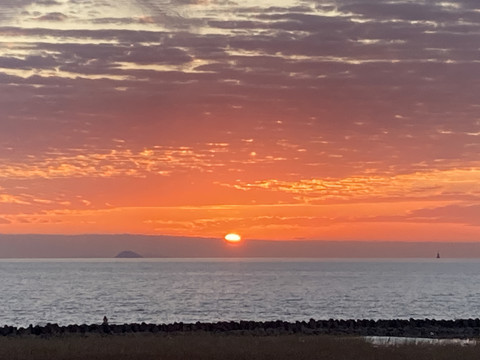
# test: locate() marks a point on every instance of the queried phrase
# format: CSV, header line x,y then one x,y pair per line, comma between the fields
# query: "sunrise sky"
x,y
275,119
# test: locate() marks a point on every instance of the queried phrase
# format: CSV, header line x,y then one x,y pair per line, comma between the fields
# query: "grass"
x,y
203,346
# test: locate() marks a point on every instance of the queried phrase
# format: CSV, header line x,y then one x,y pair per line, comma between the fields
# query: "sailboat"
x,y
438,255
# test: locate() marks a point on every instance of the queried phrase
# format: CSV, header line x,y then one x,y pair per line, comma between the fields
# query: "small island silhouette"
x,y
128,254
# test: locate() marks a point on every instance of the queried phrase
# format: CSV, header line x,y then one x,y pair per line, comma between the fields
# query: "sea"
x,y
83,291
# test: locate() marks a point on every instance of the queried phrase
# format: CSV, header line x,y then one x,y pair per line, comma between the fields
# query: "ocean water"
x,y
190,290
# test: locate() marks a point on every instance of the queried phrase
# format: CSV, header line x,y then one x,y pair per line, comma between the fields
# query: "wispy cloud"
x,y
114,163
53,16
11,199
447,184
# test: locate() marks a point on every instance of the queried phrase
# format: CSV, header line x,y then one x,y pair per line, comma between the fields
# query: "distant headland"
x,y
128,254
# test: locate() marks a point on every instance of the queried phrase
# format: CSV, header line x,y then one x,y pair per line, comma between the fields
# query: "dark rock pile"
x,y
427,328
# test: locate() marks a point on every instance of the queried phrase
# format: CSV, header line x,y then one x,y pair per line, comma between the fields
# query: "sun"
x,y
233,238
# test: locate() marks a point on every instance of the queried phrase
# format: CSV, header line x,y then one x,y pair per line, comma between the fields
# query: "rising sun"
x,y
233,238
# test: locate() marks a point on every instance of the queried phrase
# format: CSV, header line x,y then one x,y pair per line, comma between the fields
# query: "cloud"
x,y
192,2
455,213
11,199
53,16
157,161
48,2
448,184
345,101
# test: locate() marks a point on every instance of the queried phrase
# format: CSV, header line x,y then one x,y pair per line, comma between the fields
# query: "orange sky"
x,y
274,119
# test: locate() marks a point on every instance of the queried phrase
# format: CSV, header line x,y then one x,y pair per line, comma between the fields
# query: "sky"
x,y
278,120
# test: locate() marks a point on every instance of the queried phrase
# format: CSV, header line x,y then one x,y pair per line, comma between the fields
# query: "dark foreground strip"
x,y
462,328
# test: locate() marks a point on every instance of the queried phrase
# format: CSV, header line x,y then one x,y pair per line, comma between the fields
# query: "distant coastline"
x,y
149,246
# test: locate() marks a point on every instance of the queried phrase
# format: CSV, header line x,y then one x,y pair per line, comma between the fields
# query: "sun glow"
x,y
233,238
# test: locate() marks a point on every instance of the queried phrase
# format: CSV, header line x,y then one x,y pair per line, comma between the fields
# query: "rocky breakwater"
x,y
427,328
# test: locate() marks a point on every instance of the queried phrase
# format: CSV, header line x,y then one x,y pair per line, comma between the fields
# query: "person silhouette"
x,y
105,326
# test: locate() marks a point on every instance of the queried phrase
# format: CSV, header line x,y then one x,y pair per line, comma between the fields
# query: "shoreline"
x,y
418,328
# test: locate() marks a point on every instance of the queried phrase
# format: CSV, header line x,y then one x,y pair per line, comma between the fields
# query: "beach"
x,y
329,339
203,345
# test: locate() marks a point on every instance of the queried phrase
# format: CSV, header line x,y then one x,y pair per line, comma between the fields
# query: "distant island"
x,y
127,254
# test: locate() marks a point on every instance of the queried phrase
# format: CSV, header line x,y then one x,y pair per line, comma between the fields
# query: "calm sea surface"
x,y
190,290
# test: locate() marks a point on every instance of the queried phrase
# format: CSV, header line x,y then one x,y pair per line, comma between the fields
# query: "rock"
x,y
426,328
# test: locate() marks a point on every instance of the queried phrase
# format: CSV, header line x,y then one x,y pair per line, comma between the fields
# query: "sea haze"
x,y
171,290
